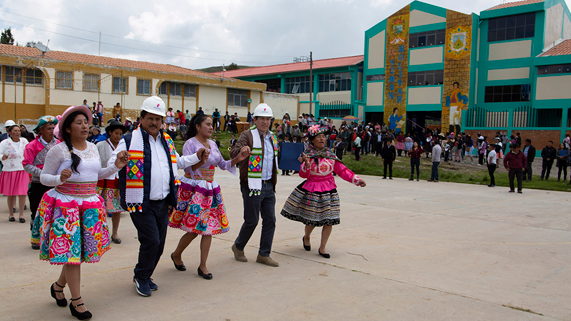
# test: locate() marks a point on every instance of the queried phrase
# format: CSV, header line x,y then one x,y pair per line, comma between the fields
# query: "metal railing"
x,y
335,109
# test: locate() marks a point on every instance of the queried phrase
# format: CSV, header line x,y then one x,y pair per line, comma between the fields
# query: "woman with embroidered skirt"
x,y
315,202
200,209
71,215
13,179
109,188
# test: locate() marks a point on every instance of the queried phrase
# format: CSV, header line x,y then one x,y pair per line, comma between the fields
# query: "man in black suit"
x,y
549,153
389,155
529,152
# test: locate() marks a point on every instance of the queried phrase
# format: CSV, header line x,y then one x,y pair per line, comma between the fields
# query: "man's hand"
x,y
200,153
65,174
244,153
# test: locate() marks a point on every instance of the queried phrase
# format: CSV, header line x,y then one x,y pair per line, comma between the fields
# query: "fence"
x,y
335,109
524,116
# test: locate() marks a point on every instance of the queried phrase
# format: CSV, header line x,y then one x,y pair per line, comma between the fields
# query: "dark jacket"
x,y
549,152
530,153
515,161
246,139
389,153
147,172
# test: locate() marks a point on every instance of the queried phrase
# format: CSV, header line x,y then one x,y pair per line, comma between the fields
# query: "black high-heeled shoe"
x,y
204,275
60,302
325,255
79,315
306,247
178,267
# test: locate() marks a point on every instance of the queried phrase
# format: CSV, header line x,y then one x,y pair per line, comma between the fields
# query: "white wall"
x,y
35,95
510,50
376,54
281,104
421,18
556,87
213,97
424,95
553,24
328,97
424,56
566,28
508,73
375,93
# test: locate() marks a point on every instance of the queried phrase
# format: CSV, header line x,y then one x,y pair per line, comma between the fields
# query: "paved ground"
x,y
404,251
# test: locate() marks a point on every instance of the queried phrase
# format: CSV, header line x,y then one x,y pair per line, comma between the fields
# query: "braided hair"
x,y
75,160
197,119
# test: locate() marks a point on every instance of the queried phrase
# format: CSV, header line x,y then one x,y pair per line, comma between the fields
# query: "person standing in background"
x,y
436,155
549,153
562,157
529,152
415,153
492,164
357,143
389,156
515,162
216,120
13,179
99,110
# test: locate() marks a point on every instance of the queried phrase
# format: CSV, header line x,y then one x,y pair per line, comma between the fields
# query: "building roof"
x,y
563,48
515,4
292,67
19,51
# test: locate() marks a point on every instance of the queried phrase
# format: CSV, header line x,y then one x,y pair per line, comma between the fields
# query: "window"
x,y
375,77
426,78
143,87
90,82
189,90
13,73
34,77
297,85
510,93
273,85
176,89
554,69
427,38
335,82
237,97
120,85
64,80
164,88
511,27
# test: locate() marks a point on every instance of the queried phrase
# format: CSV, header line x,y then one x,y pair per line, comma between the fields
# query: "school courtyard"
x,y
404,251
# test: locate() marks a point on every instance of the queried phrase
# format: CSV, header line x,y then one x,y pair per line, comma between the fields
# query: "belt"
x,y
86,189
267,181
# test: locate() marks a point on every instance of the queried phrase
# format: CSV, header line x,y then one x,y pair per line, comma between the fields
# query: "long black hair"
x,y
75,160
197,119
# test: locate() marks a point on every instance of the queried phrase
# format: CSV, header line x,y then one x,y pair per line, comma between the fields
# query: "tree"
x,y
6,38
232,66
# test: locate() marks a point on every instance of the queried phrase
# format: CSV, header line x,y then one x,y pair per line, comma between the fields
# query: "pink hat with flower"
x,y
69,111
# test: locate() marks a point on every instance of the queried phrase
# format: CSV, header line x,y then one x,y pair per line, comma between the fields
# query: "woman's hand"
x,y
200,153
244,153
362,183
122,159
5,157
65,175
305,159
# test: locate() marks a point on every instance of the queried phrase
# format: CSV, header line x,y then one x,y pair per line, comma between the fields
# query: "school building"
x,y
33,84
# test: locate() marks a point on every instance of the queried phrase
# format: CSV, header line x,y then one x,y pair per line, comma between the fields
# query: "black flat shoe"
x,y
22,220
178,267
202,274
79,315
37,247
12,219
306,247
325,255
60,302
116,240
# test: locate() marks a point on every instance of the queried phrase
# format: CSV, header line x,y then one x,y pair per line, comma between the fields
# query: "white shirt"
x,y
15,152
268,159
492,157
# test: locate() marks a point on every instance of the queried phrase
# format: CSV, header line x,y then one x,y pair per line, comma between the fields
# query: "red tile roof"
x,y
291,67
515,4
100,60
563,48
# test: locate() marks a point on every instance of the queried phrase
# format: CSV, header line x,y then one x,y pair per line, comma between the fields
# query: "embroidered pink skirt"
x,y
14,183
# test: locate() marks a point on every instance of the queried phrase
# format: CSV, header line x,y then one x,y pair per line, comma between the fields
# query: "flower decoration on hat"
x,y
315,130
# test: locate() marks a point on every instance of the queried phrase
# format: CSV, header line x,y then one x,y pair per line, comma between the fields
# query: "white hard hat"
x,y
154,105
263,110
9,123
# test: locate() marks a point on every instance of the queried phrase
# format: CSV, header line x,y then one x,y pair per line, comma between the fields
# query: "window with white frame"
x,y
189,90
164,88
64,80
120,85
143,87
34,77
238,97
335,82
175,89
90,82
13,73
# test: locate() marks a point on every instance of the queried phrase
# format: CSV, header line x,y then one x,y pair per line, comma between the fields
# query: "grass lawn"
x,y
448,171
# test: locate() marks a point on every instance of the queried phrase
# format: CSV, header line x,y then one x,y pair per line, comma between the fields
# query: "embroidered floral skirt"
x,y
72,230
200,208
108,189
312,208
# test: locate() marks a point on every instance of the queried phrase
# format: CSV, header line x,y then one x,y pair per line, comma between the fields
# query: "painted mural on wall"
x,y
457,56
396,70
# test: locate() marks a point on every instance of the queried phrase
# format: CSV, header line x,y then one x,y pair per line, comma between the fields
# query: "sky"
x,y
201,33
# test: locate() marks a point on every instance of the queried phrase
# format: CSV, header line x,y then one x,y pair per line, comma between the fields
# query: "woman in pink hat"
x,y
72,215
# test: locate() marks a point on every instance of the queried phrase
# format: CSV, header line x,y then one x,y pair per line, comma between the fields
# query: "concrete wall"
x,y
510,50
424,95
566,28
556,87
420,18
281,104
508,73
375,93
553,24
376,54
213,97
424,56
328,97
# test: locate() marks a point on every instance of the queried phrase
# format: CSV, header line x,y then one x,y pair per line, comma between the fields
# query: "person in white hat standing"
x,y
7,125
258,178
147,186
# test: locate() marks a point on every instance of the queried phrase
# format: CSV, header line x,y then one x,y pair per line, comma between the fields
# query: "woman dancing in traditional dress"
x,y
200,209
72,215
315,202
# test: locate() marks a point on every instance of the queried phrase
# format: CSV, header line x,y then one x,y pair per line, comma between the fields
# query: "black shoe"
x,y
12,219
60,302
202,274
520,192
390,178
116,240
411,179
79,315
22,220
178,267
325,255
153,285
512,191
37,247
306,247
384,178
142,287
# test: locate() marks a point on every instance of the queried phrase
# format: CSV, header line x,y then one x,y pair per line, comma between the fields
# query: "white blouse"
x,y
15,152
89,169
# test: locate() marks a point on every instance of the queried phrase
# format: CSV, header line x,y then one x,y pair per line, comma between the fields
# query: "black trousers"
x,y
515,173
357,153
151,232
263,205
388,164
528,171
546,168
563,168
414,162
491,170
35,194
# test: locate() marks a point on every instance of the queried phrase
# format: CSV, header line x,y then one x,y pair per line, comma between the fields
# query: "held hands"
x,y
362,183
200,153
244,153
65,174
205,156
122,159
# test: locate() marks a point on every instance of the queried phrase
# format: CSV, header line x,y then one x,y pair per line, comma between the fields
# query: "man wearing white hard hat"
x,y
148,186
258,178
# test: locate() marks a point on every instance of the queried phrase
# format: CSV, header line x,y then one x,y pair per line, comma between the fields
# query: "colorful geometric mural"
x,y
396,70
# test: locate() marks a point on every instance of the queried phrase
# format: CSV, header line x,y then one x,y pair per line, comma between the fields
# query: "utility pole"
x,y
310,80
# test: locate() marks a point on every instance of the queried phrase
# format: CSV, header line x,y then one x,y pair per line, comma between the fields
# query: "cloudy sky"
x,y
202,33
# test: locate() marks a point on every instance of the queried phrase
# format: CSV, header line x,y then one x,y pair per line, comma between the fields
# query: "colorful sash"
x,y
135,170
255,161
82,189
